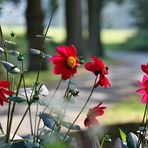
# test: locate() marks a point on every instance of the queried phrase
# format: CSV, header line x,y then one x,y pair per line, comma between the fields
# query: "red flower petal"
x,y
144,68
98,61
57,60
144,99
66,75
90,66
103,81
87,122
141,91
7,92
62,50
5,84
71,51
3,98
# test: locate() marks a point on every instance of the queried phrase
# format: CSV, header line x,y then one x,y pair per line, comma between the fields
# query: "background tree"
x,y
95,8
34,22
73,13
140,12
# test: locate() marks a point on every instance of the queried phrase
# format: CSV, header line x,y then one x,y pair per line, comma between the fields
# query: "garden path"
x,y
122,76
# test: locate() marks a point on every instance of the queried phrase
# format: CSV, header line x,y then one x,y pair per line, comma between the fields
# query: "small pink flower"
x,y
92,114
144,68
144,89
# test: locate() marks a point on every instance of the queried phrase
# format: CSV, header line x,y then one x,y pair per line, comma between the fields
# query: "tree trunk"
x,y
94,41
34,20
73,15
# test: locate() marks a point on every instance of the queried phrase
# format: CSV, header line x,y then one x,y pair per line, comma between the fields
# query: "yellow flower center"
x,y
71,62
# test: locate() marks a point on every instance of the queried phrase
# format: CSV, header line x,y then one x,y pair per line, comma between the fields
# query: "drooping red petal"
x,y
94,121
87,122
73,71
1,102
103,81
66,75
7,92
144,68
3,98
62,50
59,70
5,84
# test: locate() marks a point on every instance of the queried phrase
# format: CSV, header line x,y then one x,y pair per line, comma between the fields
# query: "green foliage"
x,y
122,135
138,42
140,12
57,144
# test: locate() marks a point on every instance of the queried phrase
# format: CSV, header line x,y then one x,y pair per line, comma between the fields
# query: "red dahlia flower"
x,y
144,89
66,62
98,68
92,114
144,68
4,91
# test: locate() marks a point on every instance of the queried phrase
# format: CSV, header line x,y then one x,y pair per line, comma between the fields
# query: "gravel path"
x,y
122,77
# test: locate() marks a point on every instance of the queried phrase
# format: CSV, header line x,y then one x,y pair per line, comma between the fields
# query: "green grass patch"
x,y
129,110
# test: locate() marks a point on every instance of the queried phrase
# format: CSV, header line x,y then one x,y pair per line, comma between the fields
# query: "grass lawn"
x,y
129,110
109,38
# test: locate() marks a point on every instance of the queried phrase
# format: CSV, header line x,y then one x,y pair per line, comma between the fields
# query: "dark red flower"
x,y
92,114
144,89
144,68
4,91
66,62
98,67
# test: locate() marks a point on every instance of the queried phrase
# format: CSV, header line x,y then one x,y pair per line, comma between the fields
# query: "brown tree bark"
x,y
34,21
73,13
94,41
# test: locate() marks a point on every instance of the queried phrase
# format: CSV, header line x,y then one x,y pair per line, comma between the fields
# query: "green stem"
x,y
48,106
145,111
30,117
35,126
102,142
82,108
12,111
20,123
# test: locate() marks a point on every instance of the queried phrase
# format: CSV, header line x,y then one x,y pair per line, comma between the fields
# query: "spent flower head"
x,y
92,114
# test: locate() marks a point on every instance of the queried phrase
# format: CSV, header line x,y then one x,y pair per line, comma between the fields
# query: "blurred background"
x,y
114,30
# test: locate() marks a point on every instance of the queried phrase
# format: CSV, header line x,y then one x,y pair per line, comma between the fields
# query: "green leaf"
x,y
123,135
43,36
81,59
1,128
13,53
1,50
132,140
17,99
10,67
35,51
49,121
43,102
69,125
10,42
